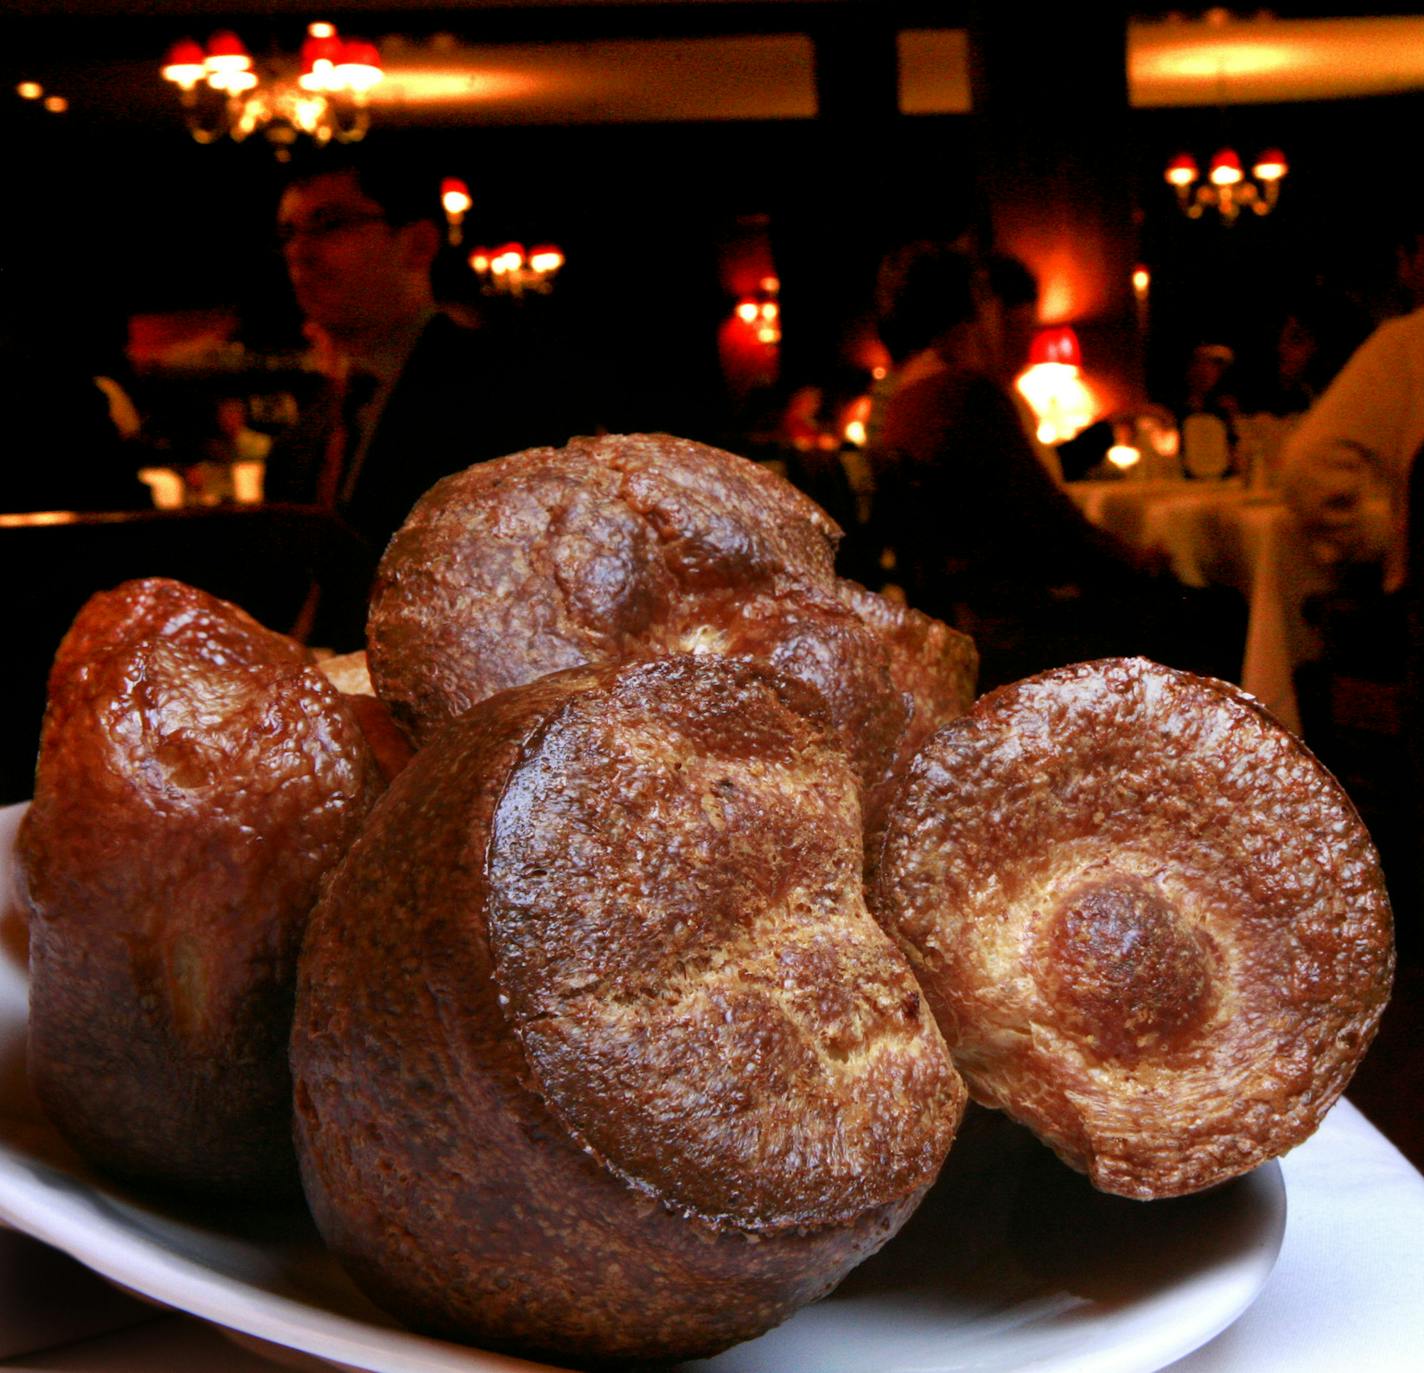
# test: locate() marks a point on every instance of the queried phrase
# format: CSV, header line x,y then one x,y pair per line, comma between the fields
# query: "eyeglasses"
x,y
324,227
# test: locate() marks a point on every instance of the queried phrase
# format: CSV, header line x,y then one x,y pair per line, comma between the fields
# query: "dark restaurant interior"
x,y
688,160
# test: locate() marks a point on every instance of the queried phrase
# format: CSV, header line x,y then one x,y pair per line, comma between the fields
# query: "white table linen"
x,y
1225,534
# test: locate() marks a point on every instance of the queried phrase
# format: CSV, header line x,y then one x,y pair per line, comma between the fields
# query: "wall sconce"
x,y
1227,189
762,311
509,271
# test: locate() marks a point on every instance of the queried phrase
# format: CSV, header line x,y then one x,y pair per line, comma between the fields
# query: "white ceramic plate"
x,y
1013,1262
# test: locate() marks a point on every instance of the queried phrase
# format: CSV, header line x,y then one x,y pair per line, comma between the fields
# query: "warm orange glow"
x,y
1270,166
1059,397
33,518
1071,283
770,309
455,196
879,373
509,258
185,64
359,69
1123,456
855,433
320,54
320,29
1176,61
770,285
1141,280
509,270
29,90
1227,189
225,57
747,311
438,85
56,104
1225,168
1182,170
1177,65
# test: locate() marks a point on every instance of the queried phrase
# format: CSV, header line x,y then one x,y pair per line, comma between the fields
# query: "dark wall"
x,y
103,223
1349,186
107,224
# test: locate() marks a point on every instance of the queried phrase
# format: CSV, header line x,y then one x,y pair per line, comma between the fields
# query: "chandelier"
x,y
510,271
224,96
1227,189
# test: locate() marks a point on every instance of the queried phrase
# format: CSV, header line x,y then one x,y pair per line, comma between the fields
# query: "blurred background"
x,y
681,154
686,205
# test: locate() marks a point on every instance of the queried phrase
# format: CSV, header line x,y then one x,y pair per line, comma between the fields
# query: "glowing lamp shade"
x,y
226,53
325,98
185,64
1123,456
455,196
227,65
320,54
1053,385
1059,344
509,258
359,68
1270,166
1225,168
1182,170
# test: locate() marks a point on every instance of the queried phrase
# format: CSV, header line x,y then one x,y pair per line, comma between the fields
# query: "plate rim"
x,y
65,1219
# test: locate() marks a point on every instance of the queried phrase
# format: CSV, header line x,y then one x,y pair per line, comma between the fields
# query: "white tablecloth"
x,y
1345,1292
1223,534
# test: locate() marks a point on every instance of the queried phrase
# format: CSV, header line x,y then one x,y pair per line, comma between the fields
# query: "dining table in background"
x,y
1245,537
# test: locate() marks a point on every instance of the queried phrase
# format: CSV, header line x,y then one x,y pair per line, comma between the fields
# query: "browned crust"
x,y
349,674
1151,926
630,546
598,1053
553,558
933,666
196,779
813,638
933,670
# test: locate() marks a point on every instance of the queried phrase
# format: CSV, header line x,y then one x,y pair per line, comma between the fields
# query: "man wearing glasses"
x,y
413,395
